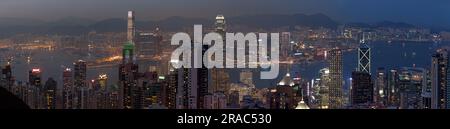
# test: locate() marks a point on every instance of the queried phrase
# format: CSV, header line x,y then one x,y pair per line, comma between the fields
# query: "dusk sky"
x,y
422,12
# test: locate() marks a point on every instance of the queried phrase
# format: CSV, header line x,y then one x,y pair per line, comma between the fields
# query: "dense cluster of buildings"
x,y
201,88
398,88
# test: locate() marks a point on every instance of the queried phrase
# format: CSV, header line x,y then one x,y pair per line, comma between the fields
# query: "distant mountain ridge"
x,y
388,24
253,21
77,26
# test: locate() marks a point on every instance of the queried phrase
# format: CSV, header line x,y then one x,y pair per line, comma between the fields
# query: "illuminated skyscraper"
x,y
35,77
362,89
426,92
410,82
170,89
7,79
364,56
215,101
439,79
393,89
285,45
50,94
100,91
187,89
281,97
152,89
193,85
336,78
146,42
68,94
128,76
220,25
220,79
380,93
80,84
131,27
34,80
323,85
447,92
113,97
201,76
102,81
130,93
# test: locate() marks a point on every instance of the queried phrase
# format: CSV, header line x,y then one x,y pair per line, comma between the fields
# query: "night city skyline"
x,y
322,54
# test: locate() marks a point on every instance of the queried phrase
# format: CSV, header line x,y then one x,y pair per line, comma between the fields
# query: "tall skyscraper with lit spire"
x,y
364,56
219,76
131,28
220,25
128,70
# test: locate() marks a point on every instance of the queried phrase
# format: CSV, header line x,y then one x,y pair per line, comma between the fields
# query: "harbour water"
x,y
387,55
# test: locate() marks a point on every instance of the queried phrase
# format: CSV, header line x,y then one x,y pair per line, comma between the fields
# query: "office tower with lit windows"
x,y
362,89
426,92
393,94
80,84
220,81
128,77
92,94
285,45
438,70
193,85
220,78
380,88
152,89
281,97
447,89
202,82
50,94
130,93
100,92
7,80
35,83
131,27
21,91
102,82
187,89
364,56
410,82
68,89
114,101
170,89
336,78
215,101
146,42
35,77
323,85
